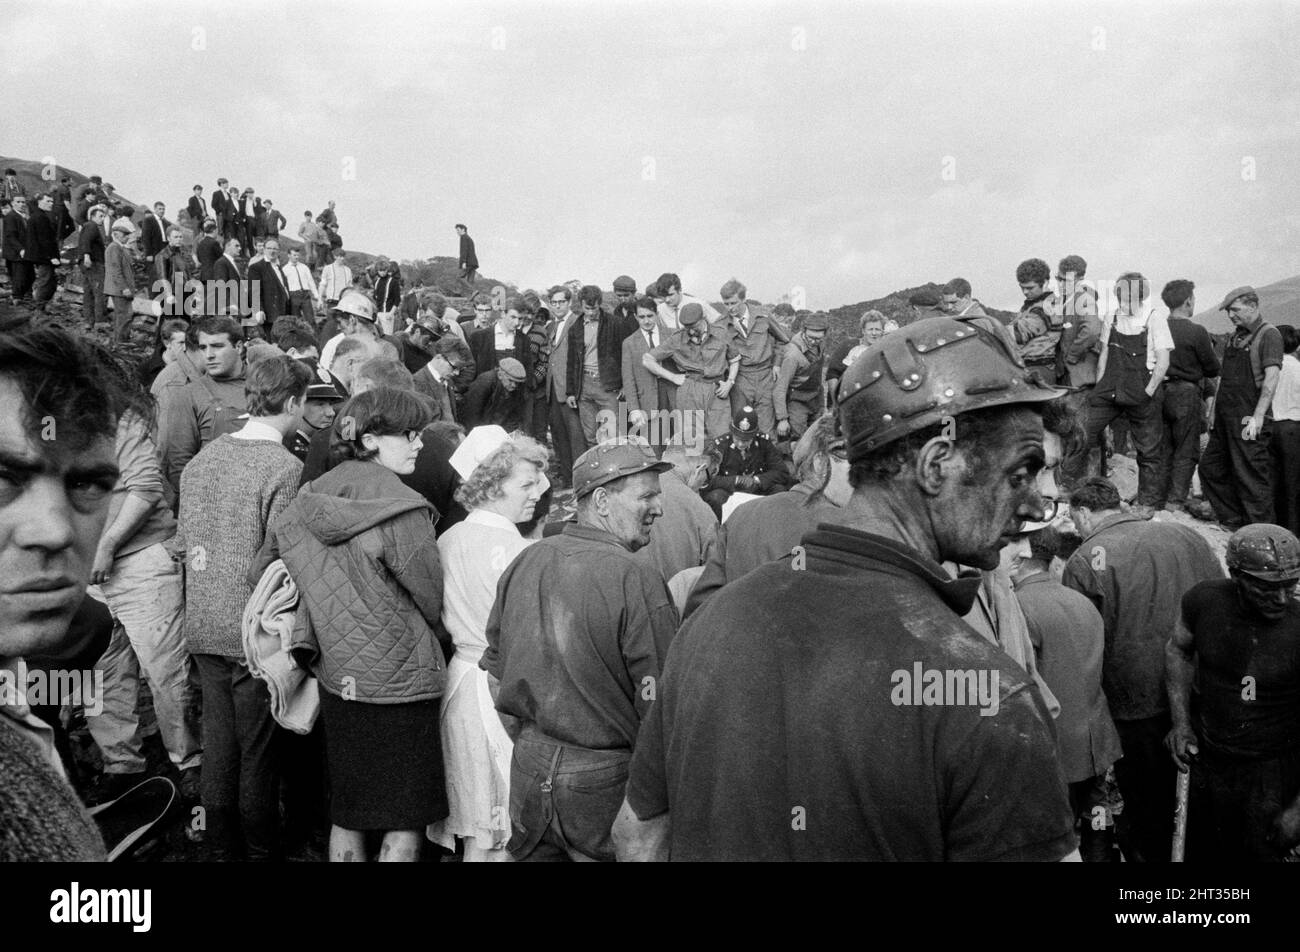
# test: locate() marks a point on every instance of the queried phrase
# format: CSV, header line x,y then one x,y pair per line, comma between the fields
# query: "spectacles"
x,y
558,301
483,310
412,436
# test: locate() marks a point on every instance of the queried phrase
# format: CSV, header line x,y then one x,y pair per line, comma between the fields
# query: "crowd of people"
x,y
599,574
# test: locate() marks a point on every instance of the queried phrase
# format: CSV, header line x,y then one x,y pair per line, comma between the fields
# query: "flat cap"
x,y
512,368
925,299
610,461
624,283
122,225
1236,293
690,314
817,322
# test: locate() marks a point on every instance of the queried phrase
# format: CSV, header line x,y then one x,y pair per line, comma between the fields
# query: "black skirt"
x,y
384,763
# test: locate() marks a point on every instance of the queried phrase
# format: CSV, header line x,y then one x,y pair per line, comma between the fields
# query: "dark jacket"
x,y
42,239
360,546
270,288
610,334
15,242
763,461
208,251
225,270
482,344
487,401
220,202
153,237
91,242
1136,572
197,209
468,259
388,293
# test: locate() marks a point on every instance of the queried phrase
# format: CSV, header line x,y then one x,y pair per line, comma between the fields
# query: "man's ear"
x,y
938,461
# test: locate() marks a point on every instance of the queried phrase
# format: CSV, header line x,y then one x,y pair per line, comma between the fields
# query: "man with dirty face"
x,y
1239,643
825,705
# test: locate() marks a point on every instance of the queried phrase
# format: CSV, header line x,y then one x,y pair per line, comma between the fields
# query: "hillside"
x,y
1279,302
440,271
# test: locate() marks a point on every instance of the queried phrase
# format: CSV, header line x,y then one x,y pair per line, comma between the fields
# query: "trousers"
x,y
1145,774
754,388
563,800
1147,430
595,399
1181,414
145,593
1236,474
239,780
566,436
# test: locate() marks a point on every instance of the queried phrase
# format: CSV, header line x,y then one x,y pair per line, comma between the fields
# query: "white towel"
x,y
268,627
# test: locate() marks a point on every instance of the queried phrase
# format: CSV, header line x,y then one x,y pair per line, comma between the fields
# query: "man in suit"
x,y
226,287
246,219
153,232
119,280
468,258
267,286
649,398
272,220
85,197
434,379
566,425
64,210
221,208
16,225
208,250
197,208
43,250
90,252
173,266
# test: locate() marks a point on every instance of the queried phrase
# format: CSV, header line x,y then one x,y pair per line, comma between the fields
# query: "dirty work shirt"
x,y
577,628
707,359
775,735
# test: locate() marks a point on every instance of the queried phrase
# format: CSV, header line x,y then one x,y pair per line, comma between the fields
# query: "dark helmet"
x,y
931,369
1266,552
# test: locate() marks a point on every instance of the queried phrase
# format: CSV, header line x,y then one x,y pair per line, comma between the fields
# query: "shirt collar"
x,y
1113,521
485,517
591,534
832,545
256,430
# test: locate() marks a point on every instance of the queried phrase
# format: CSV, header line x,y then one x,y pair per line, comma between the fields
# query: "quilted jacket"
x,y
360,546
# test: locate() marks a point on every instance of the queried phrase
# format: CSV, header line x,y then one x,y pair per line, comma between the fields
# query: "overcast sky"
x,y
847,149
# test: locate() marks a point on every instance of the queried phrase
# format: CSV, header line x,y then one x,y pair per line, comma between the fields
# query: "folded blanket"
x,y
269,623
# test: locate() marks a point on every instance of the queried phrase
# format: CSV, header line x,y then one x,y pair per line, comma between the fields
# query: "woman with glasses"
x,y
360,545
500,491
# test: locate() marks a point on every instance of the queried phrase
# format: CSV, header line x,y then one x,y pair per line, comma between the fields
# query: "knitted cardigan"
x,y
41,819
230,492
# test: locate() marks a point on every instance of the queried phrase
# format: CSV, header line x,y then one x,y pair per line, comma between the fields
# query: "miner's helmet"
x,y
1267,552
927,371
358,304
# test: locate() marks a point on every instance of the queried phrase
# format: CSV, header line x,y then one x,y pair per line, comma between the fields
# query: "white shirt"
x,y
652,338
298,278
334,280
1286,399
16,708
669,316
503,339
254,430
1157,326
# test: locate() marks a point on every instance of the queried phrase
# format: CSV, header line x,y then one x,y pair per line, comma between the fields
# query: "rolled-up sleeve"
x,y
137,456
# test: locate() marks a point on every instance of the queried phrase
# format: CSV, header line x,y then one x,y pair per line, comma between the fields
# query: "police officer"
x,y
318,412
1239,644
788,722
745,461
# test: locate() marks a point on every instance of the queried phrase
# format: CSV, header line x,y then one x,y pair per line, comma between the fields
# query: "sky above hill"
x,y
833,150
